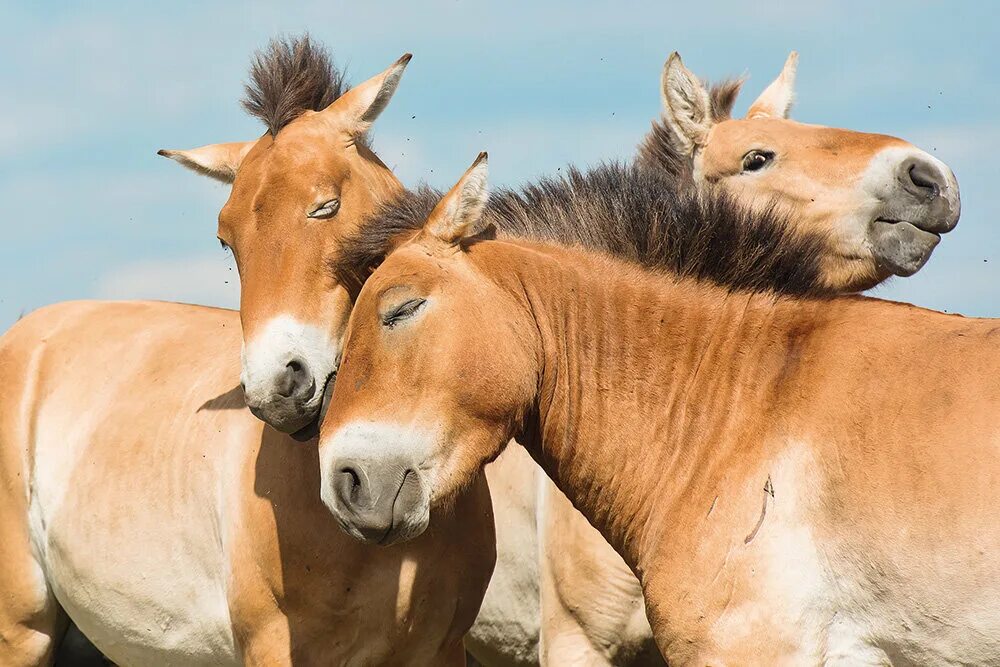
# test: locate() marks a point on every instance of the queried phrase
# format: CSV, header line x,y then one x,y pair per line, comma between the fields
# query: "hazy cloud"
x,y
205,280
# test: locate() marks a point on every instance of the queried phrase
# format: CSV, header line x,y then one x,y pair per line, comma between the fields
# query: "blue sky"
x,y
91,92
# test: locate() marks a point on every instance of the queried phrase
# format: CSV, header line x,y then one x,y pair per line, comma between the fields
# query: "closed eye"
x,y
402,312
325,210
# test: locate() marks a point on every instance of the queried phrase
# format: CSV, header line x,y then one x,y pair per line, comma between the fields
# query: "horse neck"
x,y
643,381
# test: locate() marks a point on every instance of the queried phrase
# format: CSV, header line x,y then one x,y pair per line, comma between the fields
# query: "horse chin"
x,y
311,430
902,247
411,526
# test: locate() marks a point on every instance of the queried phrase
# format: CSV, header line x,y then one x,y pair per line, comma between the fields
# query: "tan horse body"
x,y
793,480
198,540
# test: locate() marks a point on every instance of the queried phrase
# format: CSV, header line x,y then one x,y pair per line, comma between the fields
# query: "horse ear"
x,y
687,107
459,214
219,161
361,105
776,100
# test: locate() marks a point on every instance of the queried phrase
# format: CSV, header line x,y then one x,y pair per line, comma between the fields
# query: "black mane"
x,y
626,211
289,77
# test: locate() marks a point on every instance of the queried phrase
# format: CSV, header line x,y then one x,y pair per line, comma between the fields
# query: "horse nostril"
x,y
926,178
349,485
296,381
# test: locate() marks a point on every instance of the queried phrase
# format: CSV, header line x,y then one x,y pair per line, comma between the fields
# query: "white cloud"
x,y
206,280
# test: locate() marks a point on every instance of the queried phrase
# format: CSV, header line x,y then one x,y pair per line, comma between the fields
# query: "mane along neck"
x,y
646,382
624,211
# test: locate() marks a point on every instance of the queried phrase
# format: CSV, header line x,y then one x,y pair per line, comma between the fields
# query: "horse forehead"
x,y
802,138
304,154
411,266
287,173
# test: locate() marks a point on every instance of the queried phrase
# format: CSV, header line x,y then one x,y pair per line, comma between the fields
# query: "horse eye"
x,y
326,210
225,246
402,312
756,160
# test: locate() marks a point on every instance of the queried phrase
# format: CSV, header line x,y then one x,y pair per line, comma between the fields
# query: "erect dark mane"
x,y
288,77
628,212
659,149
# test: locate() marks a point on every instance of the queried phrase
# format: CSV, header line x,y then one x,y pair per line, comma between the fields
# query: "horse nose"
x,y
370,493
935,189
295,381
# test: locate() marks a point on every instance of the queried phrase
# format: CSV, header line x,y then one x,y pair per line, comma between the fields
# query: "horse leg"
x,y
31,621
266,642
29,630
592,605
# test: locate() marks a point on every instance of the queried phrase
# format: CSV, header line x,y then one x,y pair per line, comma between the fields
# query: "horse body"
x,y
237,560
837,510
292,326
794,480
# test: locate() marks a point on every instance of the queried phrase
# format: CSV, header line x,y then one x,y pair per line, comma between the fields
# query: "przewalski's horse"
x,y
138,495
794,479
309,179
589,607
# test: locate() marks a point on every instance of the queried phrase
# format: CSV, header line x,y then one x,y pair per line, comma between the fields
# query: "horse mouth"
x,y
311,430
915,225
900,246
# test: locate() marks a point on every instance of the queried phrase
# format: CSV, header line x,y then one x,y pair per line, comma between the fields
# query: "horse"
x,y
793,478
871,193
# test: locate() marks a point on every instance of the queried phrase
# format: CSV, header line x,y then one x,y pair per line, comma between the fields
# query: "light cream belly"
x,y
130,544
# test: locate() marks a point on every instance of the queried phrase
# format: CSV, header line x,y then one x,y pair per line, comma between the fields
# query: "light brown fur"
x,y
144,490
822,174
787,483
818,174
588,596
